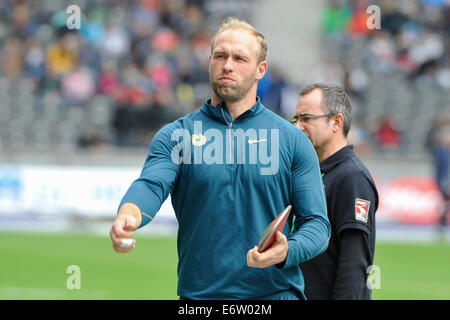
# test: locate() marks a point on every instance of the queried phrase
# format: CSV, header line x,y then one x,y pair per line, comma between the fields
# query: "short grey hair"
x,y
335,101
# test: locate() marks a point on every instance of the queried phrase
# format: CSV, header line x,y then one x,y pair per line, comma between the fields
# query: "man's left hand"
x,y
277,253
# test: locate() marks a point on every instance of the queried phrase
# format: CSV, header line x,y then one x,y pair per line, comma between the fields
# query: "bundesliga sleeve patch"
x,y
362,209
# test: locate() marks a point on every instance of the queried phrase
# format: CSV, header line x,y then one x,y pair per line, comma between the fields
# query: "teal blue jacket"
x,y
228,180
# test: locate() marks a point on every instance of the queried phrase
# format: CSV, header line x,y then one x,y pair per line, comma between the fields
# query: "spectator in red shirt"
x,y
387,135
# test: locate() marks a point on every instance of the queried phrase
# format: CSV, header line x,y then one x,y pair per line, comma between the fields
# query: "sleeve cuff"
x,y
289,258
146,218
147,201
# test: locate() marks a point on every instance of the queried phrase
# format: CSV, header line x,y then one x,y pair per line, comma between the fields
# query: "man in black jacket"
x,y
323,112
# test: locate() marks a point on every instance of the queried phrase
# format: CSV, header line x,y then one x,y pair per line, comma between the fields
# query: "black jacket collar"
x,y
336,158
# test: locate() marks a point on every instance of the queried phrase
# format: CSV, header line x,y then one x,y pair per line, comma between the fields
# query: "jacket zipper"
x,y
230,126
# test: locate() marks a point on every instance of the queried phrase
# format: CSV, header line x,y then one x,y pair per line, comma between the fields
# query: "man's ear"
x,y
261,70
338,122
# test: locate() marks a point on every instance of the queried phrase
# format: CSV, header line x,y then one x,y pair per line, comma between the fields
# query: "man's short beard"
x,y
235,93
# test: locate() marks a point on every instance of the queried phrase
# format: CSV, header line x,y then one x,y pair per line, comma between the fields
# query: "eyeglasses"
x,y
306,117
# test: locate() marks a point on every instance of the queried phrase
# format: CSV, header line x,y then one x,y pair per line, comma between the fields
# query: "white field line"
x,y
12,293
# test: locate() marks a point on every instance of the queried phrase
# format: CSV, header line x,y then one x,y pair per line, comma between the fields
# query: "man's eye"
x,y
304,118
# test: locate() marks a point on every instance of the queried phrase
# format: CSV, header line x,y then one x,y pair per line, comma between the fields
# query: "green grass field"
x,y
34,267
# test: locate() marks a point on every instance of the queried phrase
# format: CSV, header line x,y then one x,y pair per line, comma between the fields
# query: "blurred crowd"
x,y
136,65
148,58
413,38
411,45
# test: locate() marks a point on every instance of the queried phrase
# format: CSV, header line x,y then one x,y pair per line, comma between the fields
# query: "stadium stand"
x,y
137,65
401,71
132,67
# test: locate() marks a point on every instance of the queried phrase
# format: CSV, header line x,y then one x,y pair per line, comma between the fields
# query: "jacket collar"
x,y
219,111
336,158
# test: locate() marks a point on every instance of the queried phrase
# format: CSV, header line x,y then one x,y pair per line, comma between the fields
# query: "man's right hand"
x,y
123,227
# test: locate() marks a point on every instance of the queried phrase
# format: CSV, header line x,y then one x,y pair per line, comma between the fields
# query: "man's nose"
x,y
299,125
228,65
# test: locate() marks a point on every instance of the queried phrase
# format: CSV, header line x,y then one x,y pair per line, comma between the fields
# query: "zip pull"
x,y
230,126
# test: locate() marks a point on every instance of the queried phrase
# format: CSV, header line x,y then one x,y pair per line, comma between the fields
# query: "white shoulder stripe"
x,y
147,215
